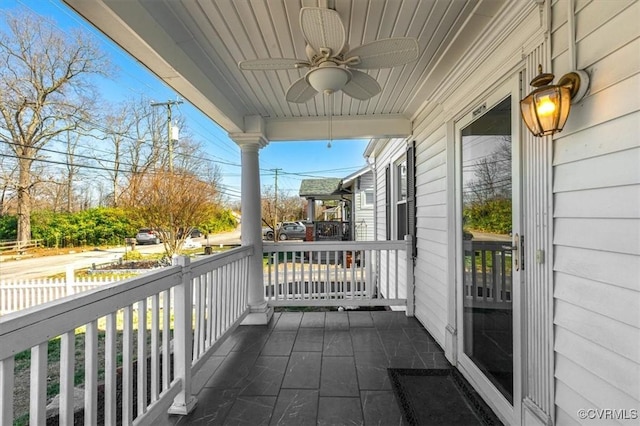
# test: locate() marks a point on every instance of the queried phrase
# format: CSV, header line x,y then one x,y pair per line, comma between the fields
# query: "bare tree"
x,y
72,169
289,208
492,174
44,91
8,173
118,123
172,203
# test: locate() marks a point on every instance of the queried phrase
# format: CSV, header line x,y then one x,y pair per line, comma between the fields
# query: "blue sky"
x,y
297,160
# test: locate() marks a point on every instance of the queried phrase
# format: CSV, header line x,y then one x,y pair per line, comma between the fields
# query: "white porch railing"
x,y
487,274
194,304
353,273
128,326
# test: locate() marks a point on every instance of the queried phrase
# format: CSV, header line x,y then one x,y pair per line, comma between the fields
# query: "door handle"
x,y
516,252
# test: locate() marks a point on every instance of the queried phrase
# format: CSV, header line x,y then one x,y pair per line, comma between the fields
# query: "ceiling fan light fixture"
x,y
328,79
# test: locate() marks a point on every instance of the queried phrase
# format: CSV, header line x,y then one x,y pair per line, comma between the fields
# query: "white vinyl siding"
x,y
597,215
394,149
431,283
363,211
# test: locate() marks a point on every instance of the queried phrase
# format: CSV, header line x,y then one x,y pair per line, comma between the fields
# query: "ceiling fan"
x,y
332,66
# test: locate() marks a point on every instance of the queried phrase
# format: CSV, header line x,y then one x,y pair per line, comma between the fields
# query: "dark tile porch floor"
x,y
312,368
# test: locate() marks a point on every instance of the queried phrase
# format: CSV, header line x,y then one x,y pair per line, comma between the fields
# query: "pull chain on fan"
x,y
329,97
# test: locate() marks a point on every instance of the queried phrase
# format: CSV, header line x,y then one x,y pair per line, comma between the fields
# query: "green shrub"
x,y
97,226
489,216
8,227
132,255
221,220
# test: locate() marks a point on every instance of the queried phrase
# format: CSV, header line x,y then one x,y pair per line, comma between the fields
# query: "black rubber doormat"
x,y
439,397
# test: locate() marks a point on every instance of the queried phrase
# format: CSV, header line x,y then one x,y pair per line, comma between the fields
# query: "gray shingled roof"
x,y
318,188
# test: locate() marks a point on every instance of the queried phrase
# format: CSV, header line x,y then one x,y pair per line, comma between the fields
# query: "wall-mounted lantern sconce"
x,y
546,109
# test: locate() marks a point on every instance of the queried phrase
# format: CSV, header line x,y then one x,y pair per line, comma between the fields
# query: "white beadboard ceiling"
x,y
195,46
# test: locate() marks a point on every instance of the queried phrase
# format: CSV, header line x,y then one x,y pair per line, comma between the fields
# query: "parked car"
x,y
286,231
147,236
267,233
195,233
292,231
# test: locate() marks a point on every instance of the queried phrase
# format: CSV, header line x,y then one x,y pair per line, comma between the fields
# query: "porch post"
x,y
184,402
250,143
311,209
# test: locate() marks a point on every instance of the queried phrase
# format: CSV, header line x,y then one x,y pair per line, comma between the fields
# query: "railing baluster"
x,y
110,368
202,320
38,388
211,338
6,390
219,302
166,339
388,254
127,365
90,374
67,361
234,292
397,264
226,296
285,273
155,353
142,357
269,292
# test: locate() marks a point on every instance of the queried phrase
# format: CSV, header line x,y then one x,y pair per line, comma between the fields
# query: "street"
x,y
42,267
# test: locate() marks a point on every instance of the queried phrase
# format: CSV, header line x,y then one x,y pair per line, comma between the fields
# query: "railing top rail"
x,y
24,329
208,263
334,245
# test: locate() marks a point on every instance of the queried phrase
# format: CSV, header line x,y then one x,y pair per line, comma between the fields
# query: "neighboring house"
x,y
322,190
354,196
361,186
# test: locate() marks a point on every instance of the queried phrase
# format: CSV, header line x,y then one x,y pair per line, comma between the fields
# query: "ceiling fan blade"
x,y
322,28
361,86
385,53
300,91
272,64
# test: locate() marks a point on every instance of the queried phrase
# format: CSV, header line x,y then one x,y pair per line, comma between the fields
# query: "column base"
x,y
183,409
258,316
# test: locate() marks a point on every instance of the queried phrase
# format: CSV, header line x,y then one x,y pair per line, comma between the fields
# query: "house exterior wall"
x,y
581,209
363,213
596,216
392,150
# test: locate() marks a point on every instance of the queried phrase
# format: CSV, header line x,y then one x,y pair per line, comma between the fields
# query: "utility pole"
x,y
275,218
168,104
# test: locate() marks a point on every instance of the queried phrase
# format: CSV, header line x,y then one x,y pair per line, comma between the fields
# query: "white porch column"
x,y
250,143
311,209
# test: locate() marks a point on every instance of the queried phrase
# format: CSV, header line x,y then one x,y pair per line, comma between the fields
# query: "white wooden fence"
x,y
16,295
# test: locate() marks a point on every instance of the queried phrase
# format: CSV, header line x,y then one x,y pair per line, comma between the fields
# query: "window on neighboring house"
x,y
366,198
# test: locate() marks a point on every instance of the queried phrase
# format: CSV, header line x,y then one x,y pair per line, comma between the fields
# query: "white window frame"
x,y
363,198
397,176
